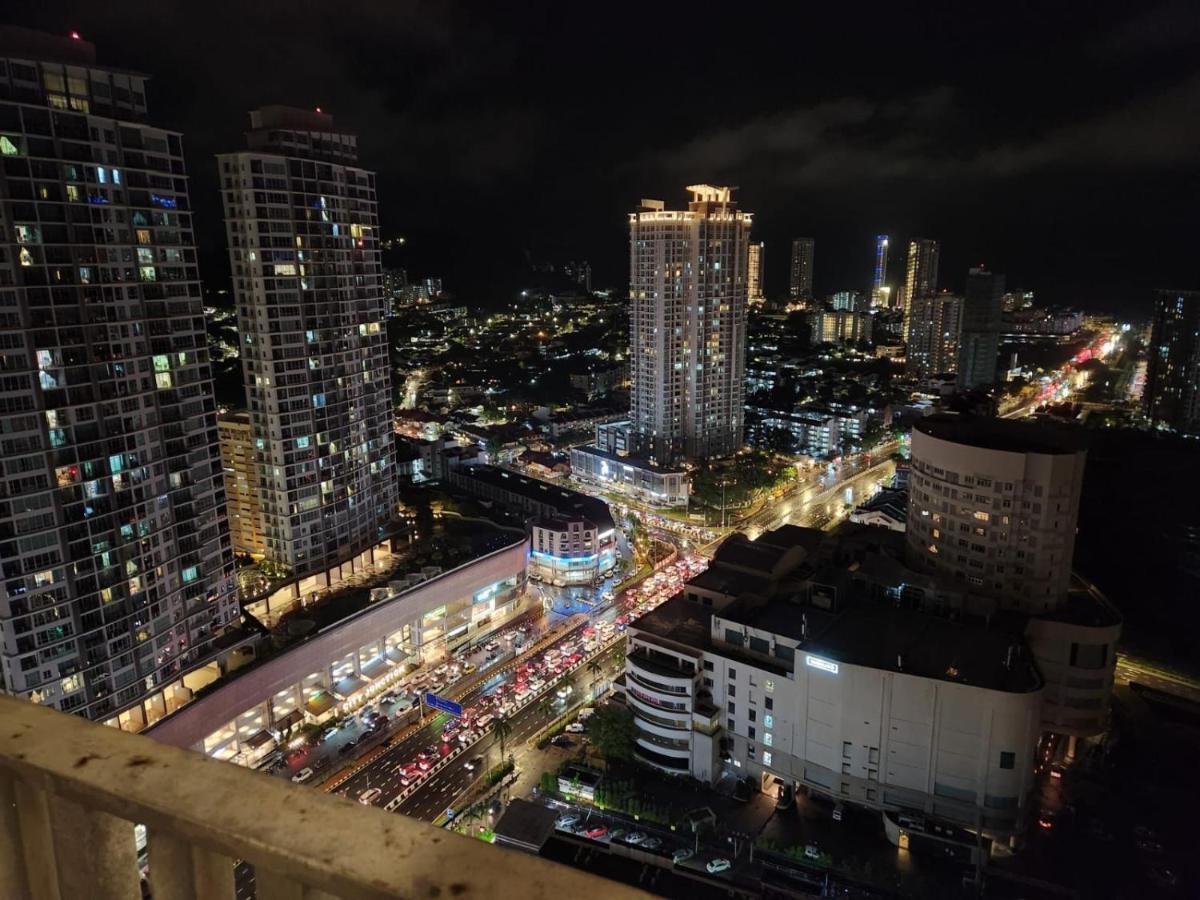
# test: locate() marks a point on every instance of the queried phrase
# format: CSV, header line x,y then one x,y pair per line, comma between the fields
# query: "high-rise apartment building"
x,y
993,503
1172,394
303,231
840,326
240,462
982,322
921,274
800,286
933,334
688,325
880,292
755,291
117,568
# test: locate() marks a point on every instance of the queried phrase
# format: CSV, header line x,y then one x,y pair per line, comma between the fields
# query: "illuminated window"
x,y
162,364
163,379
190,574
147,273
766,757
8,147
981,515
26,257
145,256
285,269
769,739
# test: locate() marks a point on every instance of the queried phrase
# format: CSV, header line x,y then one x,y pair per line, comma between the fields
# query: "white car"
x,y
718,865
303,775
564,692
369,796
574,728
566,822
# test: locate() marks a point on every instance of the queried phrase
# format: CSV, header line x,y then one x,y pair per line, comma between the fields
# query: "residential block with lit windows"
x,y
687,289
117,573
303,230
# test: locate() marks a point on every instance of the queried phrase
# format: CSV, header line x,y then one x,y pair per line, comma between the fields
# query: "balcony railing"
x,y
71,791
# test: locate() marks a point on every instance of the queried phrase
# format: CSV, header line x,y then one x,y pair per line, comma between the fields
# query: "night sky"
x,y
1055,142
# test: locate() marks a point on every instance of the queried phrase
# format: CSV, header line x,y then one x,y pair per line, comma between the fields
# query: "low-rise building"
x,y
573,539
638,478
887,509
821,662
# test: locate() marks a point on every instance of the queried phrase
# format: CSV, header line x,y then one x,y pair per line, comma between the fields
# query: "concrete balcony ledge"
x,y
71,791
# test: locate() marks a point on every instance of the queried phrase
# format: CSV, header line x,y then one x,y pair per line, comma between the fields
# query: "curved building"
x,y
993,504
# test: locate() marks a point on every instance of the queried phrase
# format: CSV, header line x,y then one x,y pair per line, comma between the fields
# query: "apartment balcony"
x,y
71,792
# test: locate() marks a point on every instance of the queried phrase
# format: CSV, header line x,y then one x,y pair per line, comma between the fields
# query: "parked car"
x,y
651,843
595,834
682,855
574,728
567,821
303,775
718,865
635,837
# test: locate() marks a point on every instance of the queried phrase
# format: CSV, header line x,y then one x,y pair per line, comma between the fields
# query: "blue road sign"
x,y
441,703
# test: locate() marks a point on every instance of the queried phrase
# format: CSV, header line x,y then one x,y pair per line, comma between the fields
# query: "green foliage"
x,y
498,773
612,731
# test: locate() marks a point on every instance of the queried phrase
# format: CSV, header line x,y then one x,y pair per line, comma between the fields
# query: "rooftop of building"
x,y
28,43
635,462
738,551
568,503
1006,435
890,501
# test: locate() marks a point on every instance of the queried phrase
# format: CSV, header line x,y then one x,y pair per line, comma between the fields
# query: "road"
x,y
432,797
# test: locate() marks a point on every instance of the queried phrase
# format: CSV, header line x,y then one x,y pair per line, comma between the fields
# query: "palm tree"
x,y
501,729
595,668
546,706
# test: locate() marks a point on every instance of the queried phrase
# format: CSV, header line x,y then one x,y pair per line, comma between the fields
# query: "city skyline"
x,y
982,155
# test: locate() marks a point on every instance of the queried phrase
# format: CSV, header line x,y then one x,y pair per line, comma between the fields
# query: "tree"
x,y
501,729
546,706
612,731
595,667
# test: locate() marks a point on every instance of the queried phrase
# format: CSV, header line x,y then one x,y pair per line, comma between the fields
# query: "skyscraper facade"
x,y
934,333
688,325
979,347
118,573
240,462
880,293
800,286
754,273
1172,394
303,231
921,274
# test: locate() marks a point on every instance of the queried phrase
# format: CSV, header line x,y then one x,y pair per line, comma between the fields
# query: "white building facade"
x,y
688,325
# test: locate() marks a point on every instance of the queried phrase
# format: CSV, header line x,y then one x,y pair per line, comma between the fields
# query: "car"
x,y
596,833
474,763
1150,847
574,728
567,821
349,746
635,837
437,687
424,764
564,692
468,668
651,843
303,775
369,796
329,732
838,813
718,865
811,851
683,854
561,740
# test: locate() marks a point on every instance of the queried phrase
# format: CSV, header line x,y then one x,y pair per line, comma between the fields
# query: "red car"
x,y
596,833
